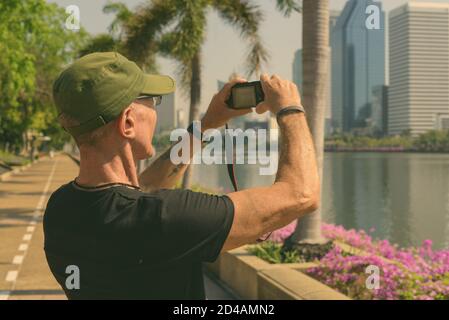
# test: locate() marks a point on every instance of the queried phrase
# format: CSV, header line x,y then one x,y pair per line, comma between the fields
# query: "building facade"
x,y
358,64
419,68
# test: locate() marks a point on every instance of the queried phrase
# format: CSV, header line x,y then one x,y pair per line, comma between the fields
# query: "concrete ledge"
x,y
238,269
253,278
284,283
7,175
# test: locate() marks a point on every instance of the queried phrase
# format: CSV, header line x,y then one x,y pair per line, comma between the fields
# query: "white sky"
x,y
223,51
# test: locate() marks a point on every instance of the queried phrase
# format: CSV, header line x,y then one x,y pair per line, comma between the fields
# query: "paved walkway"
x,y
24,273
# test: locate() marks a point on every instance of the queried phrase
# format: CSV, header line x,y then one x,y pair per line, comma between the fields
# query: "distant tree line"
x,y
431,141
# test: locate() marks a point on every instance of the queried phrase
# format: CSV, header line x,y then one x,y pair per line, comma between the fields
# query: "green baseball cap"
x,y
96,88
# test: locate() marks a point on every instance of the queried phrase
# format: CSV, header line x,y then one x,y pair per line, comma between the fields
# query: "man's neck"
x,y
97,167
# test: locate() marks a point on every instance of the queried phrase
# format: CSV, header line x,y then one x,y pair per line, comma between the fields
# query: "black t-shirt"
x,y
128,244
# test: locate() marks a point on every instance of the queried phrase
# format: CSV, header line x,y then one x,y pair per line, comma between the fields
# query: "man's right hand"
x,y
279,93
296,190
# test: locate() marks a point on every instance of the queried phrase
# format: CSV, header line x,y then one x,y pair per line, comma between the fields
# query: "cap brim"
x,y
158,84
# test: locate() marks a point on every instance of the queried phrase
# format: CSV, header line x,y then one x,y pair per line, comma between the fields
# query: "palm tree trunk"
x,y
195,98
315,74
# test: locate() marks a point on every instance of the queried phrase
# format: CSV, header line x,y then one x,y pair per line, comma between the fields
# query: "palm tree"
x,y
315,60
100,43
122,16
112,41
176,29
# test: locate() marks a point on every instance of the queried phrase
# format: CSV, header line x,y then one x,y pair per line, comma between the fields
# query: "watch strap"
x,y
289,110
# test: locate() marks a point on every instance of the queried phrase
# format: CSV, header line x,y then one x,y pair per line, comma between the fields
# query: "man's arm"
x,y
162,173
296,189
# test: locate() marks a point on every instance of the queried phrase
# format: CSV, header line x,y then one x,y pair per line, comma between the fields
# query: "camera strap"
x,y
231,169
230,164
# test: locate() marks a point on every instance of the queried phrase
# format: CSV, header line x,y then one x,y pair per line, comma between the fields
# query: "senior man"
x,y
131,236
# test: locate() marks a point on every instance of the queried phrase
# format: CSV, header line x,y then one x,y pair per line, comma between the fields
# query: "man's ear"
x,y
127,123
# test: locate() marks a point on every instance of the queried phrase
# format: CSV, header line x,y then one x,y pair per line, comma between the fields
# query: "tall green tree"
x,y
35,45
176,29
315,61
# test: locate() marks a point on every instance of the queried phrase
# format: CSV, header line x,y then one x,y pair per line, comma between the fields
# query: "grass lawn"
x,y
12,159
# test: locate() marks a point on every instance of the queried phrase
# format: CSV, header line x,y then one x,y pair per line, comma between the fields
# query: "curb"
x,y
7,175
255,279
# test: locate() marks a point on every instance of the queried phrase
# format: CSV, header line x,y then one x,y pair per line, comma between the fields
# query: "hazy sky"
x,y
223,51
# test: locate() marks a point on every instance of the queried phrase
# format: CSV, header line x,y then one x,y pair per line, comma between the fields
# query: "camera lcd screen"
x,y
244,97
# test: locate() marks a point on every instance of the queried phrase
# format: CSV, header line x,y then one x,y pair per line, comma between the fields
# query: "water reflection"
x,y
403,196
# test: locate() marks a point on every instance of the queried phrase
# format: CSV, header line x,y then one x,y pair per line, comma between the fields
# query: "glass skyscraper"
x,y
358,64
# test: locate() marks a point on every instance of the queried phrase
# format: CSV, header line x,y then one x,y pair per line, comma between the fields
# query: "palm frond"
x,y
146,25
100,43
167,48
287,7
190,30
186,39
122,16
246,17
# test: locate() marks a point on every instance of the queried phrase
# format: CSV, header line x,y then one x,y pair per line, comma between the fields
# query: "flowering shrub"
x,y
405,273
281,234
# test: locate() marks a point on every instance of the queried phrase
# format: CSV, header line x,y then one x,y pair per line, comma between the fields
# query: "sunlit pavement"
x,y
24,273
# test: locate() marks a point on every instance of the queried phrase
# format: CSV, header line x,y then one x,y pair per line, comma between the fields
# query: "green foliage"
x,y
349,140
100,43
122,17
176,29
431,141
161,141
271,251
12,159
287,7
35,45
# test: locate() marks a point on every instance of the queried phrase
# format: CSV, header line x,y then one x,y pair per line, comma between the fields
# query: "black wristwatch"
x,y
288,110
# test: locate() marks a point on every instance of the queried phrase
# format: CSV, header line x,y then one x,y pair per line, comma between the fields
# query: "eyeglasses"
x,y
156,99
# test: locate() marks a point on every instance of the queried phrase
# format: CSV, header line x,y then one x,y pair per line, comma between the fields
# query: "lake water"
x,y
403,196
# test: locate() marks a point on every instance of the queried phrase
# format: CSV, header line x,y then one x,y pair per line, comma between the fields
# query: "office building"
x,y
357,63
419,68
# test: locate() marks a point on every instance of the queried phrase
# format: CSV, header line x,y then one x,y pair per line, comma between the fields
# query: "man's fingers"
x,y
275,78
264,77
242,112
227,87
262,108
264,80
